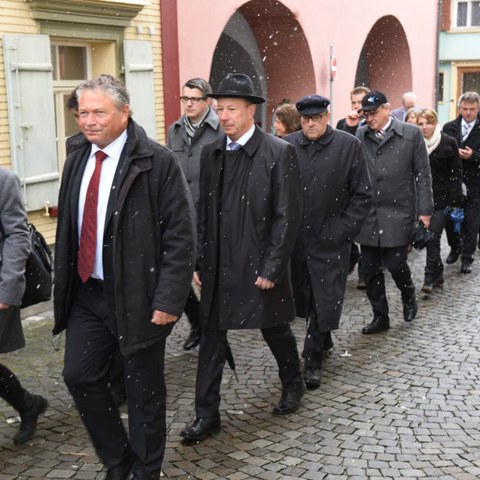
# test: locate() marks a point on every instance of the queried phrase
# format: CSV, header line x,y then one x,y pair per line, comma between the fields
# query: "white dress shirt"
x,y
109,167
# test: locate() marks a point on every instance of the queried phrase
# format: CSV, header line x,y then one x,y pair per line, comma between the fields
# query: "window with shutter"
x,y
28,73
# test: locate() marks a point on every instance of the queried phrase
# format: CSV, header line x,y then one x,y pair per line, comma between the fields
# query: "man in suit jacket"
x,y
198,126
399,171
123,266
409,100
466,130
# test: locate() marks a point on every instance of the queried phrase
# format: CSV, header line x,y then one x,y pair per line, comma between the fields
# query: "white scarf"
x,y
434,140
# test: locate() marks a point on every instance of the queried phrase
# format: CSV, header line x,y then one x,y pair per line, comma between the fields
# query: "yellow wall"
x,y
147,19
17,18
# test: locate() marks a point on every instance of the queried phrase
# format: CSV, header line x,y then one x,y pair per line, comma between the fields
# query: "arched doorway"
x,y
264,39
385,62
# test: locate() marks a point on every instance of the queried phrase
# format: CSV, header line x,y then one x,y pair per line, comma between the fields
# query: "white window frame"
x,y
64,87
454,12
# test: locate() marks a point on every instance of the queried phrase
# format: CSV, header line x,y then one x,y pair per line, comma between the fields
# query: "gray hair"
x,y
199,83
108,85
469,97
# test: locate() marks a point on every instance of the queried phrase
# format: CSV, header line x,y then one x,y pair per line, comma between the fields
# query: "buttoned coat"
x,y
336,199
14,250
247,228
399,173
188,151
149,247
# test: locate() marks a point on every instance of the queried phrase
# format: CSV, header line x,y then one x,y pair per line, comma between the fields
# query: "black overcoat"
x,y
336,200
471,168
446,168
149,246
247,227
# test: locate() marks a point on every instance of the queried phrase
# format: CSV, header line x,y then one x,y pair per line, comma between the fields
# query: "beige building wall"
x,y
146,26
17,19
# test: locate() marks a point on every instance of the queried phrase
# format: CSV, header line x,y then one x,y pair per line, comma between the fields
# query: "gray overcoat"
x,y
14,249
399,172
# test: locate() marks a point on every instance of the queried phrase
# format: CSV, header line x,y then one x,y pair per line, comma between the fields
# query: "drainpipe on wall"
x,y
437,54
170,62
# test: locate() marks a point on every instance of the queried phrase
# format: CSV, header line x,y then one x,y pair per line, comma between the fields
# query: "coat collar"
x,y
211,119
250,147
397,127
324,140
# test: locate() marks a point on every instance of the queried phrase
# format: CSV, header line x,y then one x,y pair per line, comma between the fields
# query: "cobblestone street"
x,y
401,404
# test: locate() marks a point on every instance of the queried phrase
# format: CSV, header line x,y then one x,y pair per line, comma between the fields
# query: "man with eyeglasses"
x,y
399,171
336,199
197,127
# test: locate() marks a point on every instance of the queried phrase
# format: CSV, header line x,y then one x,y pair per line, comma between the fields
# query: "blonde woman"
x,y
447,190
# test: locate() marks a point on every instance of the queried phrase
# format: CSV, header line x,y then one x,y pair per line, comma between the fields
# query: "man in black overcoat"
x,y
336,199
466,130
249,214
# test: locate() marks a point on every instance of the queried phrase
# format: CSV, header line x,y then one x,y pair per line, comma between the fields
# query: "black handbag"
x,y
38,270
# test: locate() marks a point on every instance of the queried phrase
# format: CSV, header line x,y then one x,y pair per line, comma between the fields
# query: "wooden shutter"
x,y
139,82
31,115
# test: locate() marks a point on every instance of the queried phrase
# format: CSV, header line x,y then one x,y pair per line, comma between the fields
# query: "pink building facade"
x,y
287,46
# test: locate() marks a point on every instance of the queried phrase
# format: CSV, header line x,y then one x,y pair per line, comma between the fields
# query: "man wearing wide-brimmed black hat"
x,y
249,214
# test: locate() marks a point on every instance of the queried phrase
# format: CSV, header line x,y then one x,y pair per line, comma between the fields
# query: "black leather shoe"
x,y
328,343
312,377
193,339
410,310
452,256
377,325
121,471
466,267
35,406
290,401
201,428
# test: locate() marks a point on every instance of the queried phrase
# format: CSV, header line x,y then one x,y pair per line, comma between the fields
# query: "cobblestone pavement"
x,y
401,404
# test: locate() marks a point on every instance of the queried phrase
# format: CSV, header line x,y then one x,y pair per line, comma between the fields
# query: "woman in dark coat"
x,y
14,247
446,169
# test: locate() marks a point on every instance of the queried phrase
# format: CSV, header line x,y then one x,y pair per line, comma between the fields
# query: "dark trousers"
x,y
11,390
192,309
454,239
212,357
90,347
375,259
434,266
470,227
314,344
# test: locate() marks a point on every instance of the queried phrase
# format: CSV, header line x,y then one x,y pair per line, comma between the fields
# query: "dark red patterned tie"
x,y
88,237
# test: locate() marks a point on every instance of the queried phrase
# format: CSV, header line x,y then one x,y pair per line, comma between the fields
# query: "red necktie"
x,y
88,237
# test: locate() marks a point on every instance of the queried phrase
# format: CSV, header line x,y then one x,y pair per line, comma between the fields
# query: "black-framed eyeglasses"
x,y
192,99
316,118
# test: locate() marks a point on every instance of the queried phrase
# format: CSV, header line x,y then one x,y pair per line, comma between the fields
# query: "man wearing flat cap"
x,y
249,214
399,171
336,199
